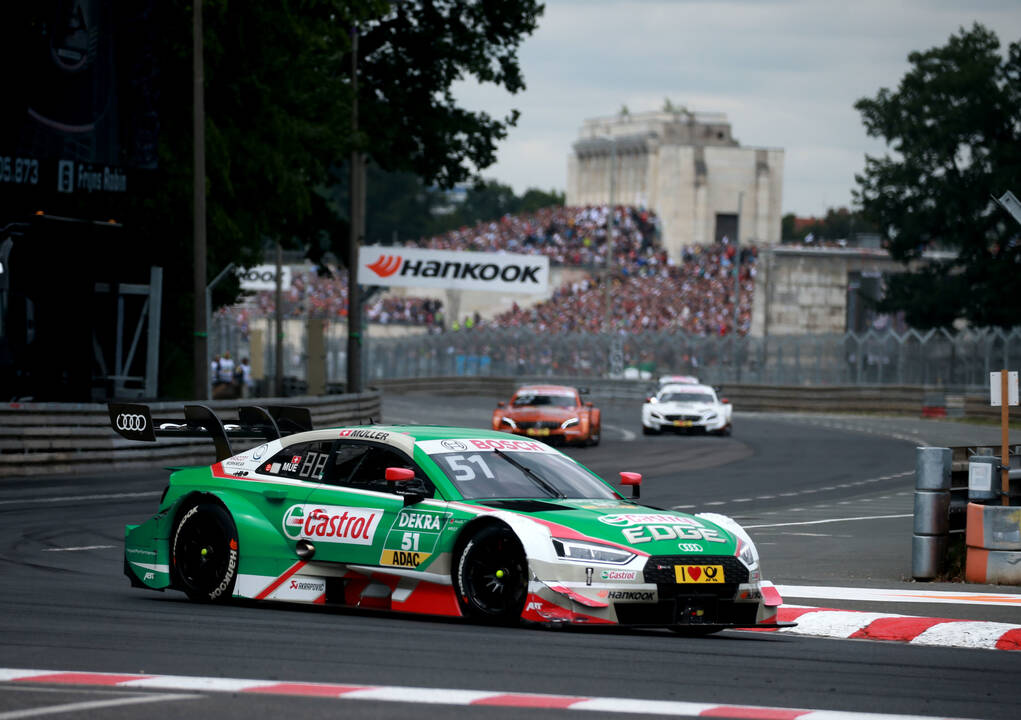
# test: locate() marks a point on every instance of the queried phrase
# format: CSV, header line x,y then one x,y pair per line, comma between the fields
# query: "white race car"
x,y
687,408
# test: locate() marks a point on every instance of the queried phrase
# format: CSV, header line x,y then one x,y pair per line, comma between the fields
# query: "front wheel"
x,y
204,553
649,431
491,576
594,436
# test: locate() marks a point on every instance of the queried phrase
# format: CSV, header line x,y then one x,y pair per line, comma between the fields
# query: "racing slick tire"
x,y
725,431
204,553
649,431
594,436
491,576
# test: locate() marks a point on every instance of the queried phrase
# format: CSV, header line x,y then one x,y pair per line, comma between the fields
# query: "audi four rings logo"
x,y
131,422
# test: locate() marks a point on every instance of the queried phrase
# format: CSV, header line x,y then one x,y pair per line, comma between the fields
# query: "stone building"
x,y
685,166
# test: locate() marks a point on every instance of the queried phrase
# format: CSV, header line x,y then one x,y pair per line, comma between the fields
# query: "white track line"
x,y
441,696
92,705
816,592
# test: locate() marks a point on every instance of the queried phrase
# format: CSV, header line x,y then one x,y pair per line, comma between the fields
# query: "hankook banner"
x,y
453,270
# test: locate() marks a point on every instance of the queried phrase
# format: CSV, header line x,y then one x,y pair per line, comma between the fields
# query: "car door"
x,y
349,516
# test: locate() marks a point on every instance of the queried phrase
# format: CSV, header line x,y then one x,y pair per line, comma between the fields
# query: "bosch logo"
x,y
454,445
135,423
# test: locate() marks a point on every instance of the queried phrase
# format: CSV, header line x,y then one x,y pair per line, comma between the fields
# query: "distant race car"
x,y
683,407
677,379
432,520
552,413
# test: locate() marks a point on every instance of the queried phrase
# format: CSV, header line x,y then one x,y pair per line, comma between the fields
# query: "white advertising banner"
x,y
452,270
264,277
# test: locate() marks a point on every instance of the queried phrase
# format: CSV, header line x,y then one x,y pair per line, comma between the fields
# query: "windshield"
x,y
506,475
687,397
533,399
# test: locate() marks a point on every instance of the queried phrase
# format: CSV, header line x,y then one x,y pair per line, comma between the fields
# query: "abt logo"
x,y
386,265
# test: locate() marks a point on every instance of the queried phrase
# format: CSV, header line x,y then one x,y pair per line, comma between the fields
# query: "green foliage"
x,y
838,224
954,128
278,128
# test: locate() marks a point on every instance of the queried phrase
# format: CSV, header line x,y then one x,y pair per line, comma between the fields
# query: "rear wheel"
x,y
491,576
204,553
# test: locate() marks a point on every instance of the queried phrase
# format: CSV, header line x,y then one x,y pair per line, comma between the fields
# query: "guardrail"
x,y
880,399
57,438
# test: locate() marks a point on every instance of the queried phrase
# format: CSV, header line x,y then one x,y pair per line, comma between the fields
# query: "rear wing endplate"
x,y
135,422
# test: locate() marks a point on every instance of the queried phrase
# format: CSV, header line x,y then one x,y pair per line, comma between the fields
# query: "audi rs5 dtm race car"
x,y
434,520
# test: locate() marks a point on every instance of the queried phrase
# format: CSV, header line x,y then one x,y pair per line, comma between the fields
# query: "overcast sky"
x,y
786,73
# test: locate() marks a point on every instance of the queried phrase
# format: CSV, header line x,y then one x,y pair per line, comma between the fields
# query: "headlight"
x,y
748,554
509,422
710,416
657,415
568,423
590,552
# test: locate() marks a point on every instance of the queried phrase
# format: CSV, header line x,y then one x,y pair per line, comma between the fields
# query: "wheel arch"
x,y
257,537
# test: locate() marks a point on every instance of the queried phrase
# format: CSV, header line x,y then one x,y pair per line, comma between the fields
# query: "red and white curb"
x,y
946,632
438,696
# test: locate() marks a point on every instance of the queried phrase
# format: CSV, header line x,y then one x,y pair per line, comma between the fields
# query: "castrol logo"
x,y
132,422
332,523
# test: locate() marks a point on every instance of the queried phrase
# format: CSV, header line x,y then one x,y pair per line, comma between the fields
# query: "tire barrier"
x,y
932,511
69,438
994,544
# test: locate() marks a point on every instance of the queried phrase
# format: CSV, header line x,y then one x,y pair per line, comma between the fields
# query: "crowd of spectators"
x,y
649,290
694,296
567,235
325,295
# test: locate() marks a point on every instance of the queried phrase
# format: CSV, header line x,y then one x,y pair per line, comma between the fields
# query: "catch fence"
x,y
937,358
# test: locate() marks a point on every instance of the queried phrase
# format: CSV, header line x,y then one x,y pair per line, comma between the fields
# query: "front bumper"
x,y
551,435
684,423
645,594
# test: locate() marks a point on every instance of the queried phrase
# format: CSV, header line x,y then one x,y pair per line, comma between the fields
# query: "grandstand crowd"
x,y
649,290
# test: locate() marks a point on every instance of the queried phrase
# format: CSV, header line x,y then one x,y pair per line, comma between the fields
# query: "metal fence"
x,y
938,357
961,360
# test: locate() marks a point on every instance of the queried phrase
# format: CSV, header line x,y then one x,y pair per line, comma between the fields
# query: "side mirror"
x,y
725,401
589,404
501,404
650,399
398,474
634,480
402,475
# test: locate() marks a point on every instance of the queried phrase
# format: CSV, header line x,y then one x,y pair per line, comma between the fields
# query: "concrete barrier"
x,y
56,438
994,544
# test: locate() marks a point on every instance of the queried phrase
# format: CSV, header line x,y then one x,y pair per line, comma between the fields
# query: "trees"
x,y
954,128
278,123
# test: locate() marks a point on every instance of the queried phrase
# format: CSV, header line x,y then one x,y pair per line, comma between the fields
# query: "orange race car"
x,y
552,413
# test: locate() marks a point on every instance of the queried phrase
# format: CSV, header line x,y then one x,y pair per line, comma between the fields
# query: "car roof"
x,y
686,387
673,379
400,436
552,389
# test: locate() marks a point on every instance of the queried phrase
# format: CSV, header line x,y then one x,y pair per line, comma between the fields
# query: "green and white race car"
x,y
435,520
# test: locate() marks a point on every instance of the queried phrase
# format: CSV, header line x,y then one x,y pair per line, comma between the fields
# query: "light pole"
x,y
201,310
209,324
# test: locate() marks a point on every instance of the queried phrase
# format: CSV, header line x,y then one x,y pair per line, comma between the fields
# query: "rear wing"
x,y
135,422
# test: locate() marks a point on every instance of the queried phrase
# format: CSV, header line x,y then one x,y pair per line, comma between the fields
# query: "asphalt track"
x,y
828,500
